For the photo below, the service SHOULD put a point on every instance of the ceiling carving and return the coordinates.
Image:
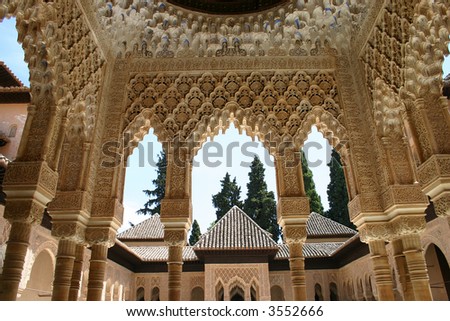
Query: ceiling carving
(151, 29)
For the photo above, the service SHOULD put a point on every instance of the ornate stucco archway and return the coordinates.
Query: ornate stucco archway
(103, 73)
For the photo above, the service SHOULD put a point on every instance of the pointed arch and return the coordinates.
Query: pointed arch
(318, 295)
(140, 294)
(334, 294)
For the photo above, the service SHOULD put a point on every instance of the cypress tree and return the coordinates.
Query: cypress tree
(229, 196)
(337, 192)
(315, 202)
(195, 233)
(153, 205)
(260, 204)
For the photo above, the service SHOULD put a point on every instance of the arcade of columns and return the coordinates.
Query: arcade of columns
(368, 74)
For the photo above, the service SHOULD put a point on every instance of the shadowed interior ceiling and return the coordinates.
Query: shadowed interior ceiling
(227, 6)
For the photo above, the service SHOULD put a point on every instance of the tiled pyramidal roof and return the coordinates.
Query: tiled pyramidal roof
(150, 229)
(319, 225)
(236, 231)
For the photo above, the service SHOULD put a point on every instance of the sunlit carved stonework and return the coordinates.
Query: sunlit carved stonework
(368, 74)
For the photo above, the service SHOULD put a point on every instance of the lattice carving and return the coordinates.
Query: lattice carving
(276, 102)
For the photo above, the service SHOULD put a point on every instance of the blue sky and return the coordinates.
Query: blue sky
(206, 179)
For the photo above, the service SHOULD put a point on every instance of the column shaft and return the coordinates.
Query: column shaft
(382, 270)
(402, 270)
(297, 267)
(63, 270)
(16, 251)
(412, 249)
(175, 267)
(77, 272)
(97, 272)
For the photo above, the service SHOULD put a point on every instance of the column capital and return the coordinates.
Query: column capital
(28, 211)
(376, 231)
(407, 225)
(101, 235)
(175, 237)
(295, 234)
(69, 230)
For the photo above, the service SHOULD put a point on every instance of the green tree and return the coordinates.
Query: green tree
(229, 196)
(337, 192)
(260, 204)
(153, 205)
(315, 202)
(195, 233)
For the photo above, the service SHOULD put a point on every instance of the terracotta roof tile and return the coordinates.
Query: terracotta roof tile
(311, 250)
(319, 225)
(161, 253)
(235, 231)
(150, 229)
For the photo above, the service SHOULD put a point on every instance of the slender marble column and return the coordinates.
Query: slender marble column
(19, 240)
(382, 270)
(402, 269)
(97, 271)
(175, 267)
(415, 259)
(77, 272)
(64, 268)
(297, 267)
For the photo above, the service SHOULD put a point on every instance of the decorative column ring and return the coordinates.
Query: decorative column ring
(175, 239)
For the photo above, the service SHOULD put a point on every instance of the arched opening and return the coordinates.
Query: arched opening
(140, 294)
(141, 175)
(327, 174)
(318, 296)
(237, 294)
(220, 294)
(155, 294)
(230, 153)
(197, 294)
(439, 273)
(39, 286)
(276, 293)
(334, 296)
